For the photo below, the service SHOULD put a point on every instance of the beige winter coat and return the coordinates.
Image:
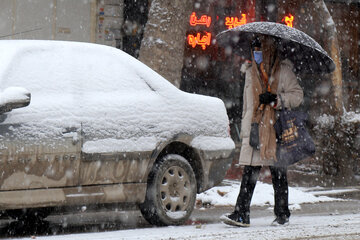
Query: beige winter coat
(292, 96)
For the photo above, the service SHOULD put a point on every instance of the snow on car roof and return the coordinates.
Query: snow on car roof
(67, 55)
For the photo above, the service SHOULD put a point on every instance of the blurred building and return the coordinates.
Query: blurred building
(117, 23)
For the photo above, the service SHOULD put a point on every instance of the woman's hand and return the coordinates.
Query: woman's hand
(267, 98)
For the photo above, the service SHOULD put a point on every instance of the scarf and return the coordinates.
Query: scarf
(264, 115)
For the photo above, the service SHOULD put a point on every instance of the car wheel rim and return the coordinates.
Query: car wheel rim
(175, 190)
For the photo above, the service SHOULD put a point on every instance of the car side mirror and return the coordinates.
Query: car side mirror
(14, 97)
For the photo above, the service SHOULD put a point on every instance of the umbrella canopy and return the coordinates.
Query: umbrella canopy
(306, 54)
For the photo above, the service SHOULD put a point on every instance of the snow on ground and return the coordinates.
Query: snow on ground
(263, 195)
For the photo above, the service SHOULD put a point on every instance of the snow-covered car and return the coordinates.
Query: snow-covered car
(101, 127)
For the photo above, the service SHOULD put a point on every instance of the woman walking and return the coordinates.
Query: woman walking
(268, 82)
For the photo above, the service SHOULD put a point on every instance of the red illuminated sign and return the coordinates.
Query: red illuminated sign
(204, 20)
(203, 41)
(232, 22)
(289, 19)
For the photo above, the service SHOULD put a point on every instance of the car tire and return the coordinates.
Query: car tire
(171, 192)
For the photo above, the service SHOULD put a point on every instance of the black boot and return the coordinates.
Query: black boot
(236, 219)
(280, 221)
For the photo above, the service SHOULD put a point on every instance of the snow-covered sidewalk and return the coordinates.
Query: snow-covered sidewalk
(226, 195)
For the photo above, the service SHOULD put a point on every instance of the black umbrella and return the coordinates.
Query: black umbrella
(306, 54)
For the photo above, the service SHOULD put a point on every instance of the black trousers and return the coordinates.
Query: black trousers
(280, 185)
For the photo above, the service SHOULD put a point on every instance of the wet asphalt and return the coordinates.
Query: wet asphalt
(115, 217)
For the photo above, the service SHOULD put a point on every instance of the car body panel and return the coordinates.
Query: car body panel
(33, 165)
(124, 193)
(110, 168)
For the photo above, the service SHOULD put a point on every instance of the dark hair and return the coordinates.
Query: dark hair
(255, 43)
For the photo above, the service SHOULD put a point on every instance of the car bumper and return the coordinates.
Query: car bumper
(215, 165)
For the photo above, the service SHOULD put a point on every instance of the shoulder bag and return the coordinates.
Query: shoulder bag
(294, 143)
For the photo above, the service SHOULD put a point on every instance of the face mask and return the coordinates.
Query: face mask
(258, 57)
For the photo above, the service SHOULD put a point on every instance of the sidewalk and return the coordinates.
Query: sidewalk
(212, 214)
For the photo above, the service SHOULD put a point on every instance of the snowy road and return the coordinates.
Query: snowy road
(316, 214)
(302, 227)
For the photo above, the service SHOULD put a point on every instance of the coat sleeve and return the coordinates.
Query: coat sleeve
(246, 112)
(289, 88)
(246, 85)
